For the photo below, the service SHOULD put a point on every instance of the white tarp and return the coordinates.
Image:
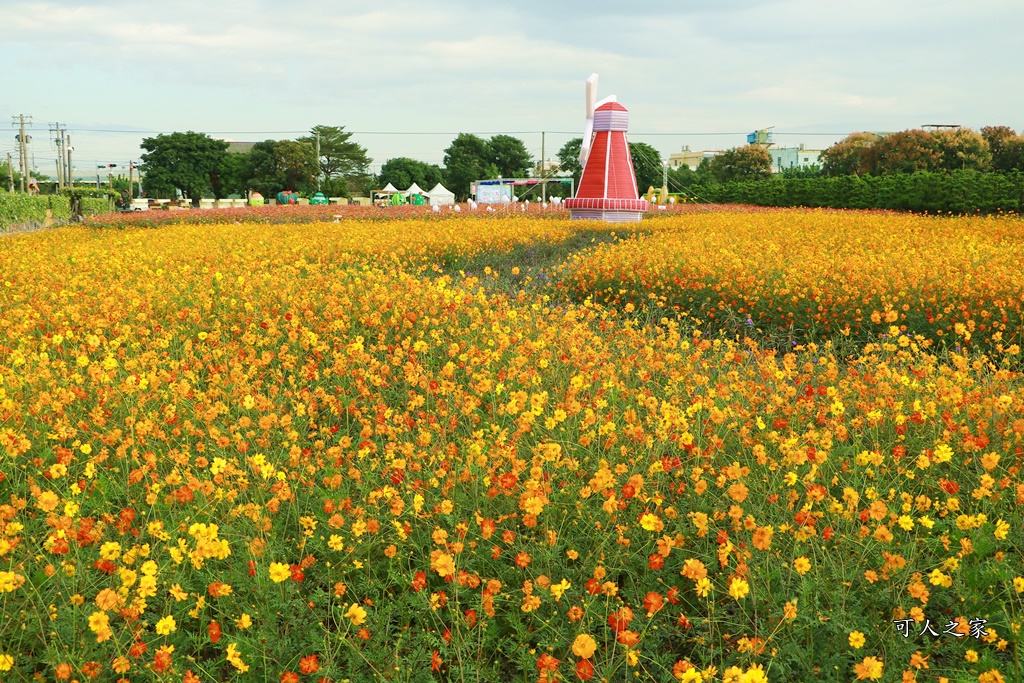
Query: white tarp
(441, 195)
(389, 189)
(413, 189)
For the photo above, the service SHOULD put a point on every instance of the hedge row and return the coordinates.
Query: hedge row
(958, 192)
(22, 208)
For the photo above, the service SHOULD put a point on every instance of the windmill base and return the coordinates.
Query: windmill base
(608, 215)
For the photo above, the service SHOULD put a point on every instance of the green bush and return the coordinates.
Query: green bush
(92, 206)
(20, 208)
(957, 192)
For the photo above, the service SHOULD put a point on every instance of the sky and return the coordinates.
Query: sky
(406, 76)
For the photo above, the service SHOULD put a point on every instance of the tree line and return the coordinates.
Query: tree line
(196, 165)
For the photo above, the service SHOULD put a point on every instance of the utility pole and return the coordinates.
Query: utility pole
(22, 147)
(10, 174)
(543, 170)
(58, 130)
(67, 150)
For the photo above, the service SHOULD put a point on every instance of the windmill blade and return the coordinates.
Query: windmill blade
(588, 124)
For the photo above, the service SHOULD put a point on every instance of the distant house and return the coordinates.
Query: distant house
(240, 147)
(687, 157)
(794, 157)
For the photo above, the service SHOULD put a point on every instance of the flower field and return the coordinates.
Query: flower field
(825, 273)
(474, 448)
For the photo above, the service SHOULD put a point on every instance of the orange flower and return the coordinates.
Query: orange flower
(763, 537)
(107, 599)
(584, 646)
(868, 668)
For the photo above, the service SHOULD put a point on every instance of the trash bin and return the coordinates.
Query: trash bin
(255, 199)
(318, 198)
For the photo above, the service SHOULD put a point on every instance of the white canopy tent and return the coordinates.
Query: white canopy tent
(441, 195)
(414, 189)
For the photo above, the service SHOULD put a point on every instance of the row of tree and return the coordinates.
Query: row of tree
(995, 148)
(196, 165)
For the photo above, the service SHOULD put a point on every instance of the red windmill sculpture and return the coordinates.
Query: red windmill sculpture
(607, 190)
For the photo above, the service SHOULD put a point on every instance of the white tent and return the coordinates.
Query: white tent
(413, 189)
(441, 195)
(389, 189)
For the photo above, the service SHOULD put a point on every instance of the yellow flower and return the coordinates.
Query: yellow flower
(166, 626)
(279, 572)
(857, 640)
(557, 589)
(703, 587)
(584, 646)
(755, 674)
(6, 662)
(802, 565)
(177, 593)
(10, 581)
(738, 588)
(971, 656)
(244, 621)
(356, 614)
(1002, 529)
(235, 659)
(651, 522)
(1018, 584)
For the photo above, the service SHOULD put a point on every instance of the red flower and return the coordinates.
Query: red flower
(828, 533)
(297, 574)
(162, 660)
(419, 582)
(289, 677)
(470, 616)
(214, 630)
(656, 561)
(584, 670)
(547, 663)
(309, 665)
(620, 618)
(105, 566)
(950, 487)
(436, 661)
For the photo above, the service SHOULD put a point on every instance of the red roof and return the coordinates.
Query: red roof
(611, 106)
(609, 169)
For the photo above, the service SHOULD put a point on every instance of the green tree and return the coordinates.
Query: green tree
(749, 162)
(232, 176)
(569, 159)
(467, 160)
(509, 155)
(261, 172)
(340, 157)
(1006, 146)
(905, 152)
(402, 172)
(181, 161)
(647, 166)
(5, 177)
(962, 149)
(846, 156)
(273, 166)
(297, 162)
